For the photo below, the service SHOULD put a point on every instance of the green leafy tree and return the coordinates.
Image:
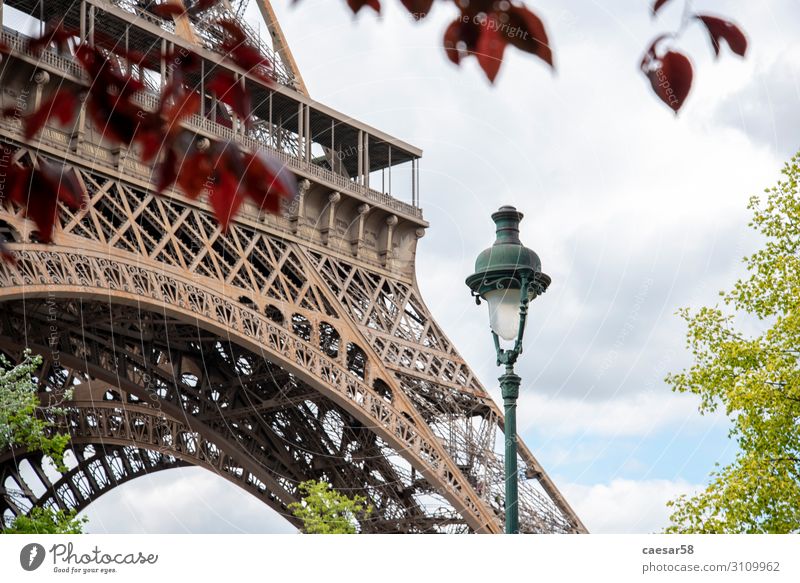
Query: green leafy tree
(20, 423)
(23, 424)
(326, 511)
(755, 377)
(47, 521)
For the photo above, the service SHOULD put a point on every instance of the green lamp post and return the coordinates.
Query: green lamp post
(508, 276)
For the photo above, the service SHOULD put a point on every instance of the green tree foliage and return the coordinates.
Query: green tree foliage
(326, 511)
(23, 425)
(47, 521)
(755, 377)
(20, 425)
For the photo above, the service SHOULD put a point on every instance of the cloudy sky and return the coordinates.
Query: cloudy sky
(633, 211)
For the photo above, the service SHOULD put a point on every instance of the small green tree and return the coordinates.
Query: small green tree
(326, 511)
(756, 378)
(22, 426)
(47, 521)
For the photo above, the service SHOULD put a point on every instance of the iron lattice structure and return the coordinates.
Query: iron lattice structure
(292, 347)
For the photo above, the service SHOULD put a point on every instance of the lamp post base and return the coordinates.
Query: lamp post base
(509, 384)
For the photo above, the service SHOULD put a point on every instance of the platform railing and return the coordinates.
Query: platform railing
(149, 100)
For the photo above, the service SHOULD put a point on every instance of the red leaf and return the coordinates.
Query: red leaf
(486, 34)
(461, 38)
(238, 49)
(224, 197)
(151, 143)
(228, 89)
(167, 171)
(19, 179)
(251, 60)
(267, 180)
(109, 99)
(115, 118)
(223, 119)
(199, 6)
(54, 34)
(248, 57)
(671, 78)
(39, 189)
(71, 191)
(452, 36)
(526, 31)
(167, 10)
(187, 61)
(356, 5)
(64, 180)
(43, 208)
(491, 45)
(723, 29)
(63, 104)
(106, 75)
(657, 5)
(419, 9)
(7, 254)
(194, 174)
(163, 125)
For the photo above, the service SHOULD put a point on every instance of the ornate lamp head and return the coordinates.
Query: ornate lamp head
(508, 276)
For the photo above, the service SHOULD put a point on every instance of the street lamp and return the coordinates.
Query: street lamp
(508, 276)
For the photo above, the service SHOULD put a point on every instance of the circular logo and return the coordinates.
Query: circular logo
(31, 556)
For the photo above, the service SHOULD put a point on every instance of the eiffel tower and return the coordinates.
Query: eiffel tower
(293, 347)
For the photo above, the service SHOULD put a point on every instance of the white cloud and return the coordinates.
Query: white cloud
(765, 109)
(625, 506)
(185, 500)
(635, 415)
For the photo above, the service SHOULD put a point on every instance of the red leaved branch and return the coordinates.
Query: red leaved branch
(225, 173)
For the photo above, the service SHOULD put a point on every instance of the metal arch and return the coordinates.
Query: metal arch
(370, 407)
(118, 424)
(82, 484)
(114, 427)
(180, 402)
(194, 440)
